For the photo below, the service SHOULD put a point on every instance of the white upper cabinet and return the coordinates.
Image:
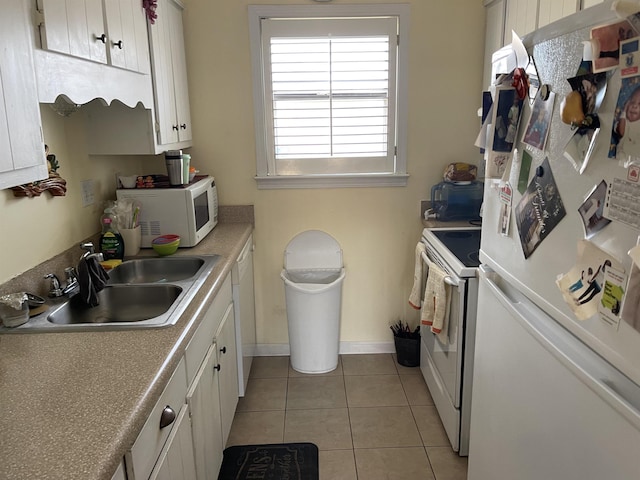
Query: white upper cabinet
(22, 157)
(120, 130)
(170, 74)
(74, 27)
(521, 17)
(494, 36)
(551, 10)
(104, 31)
(590, 3)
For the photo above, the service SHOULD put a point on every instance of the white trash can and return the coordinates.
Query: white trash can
(313, 274)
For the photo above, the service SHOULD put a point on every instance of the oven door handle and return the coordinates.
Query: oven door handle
(449, 280)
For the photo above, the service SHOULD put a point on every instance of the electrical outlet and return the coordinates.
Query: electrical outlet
(88, 193)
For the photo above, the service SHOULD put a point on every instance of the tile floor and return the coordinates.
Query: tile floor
(371, 418)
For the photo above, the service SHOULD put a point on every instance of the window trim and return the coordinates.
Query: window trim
(266, 181)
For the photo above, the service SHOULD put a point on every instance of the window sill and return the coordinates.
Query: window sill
(332, 181)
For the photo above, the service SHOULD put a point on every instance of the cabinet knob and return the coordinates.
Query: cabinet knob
(102, 38)
(175, 127)
(118, 44)
(168, 416)
(217, 367)
(183, 126)
(223, 349)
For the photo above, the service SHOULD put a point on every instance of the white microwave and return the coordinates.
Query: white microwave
(190, 211)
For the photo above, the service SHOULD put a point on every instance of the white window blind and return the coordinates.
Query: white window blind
(330, 96)
(328, 92)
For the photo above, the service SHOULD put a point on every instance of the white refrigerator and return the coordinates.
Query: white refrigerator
(554, 396)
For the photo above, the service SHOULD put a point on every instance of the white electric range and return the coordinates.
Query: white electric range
(448, 367)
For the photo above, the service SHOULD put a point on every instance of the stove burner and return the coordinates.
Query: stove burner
(463, 244)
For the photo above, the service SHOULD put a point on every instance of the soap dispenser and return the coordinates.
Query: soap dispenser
(111, 243)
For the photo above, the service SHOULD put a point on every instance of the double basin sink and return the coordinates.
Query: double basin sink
(141, 293)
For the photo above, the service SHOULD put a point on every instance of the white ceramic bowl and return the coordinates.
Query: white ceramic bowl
(128, 182)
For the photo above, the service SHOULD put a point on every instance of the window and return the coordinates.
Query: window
(329, 94)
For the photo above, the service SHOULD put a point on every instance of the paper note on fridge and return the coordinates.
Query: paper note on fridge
(582, 287)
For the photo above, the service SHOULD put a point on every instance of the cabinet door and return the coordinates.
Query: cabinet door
(74, 27)
(160, 40)
(494, 37)
(521, 17)
(170, 74)
(176, 460)
(116, 43)
(179, 63)
(227, 359)
(22, 158)
(590, 3)
(128, 44)
(203, 399)
(551, 10)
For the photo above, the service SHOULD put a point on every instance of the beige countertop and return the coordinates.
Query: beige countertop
(72, 404)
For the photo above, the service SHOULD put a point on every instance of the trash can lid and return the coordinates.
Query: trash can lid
(312, 249)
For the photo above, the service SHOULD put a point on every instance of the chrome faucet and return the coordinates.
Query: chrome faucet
(90, 251)
(71, 286)
(55, 290)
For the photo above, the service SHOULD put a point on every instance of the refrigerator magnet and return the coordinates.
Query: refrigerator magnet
(506, 196)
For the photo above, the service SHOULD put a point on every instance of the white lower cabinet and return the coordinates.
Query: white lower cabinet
(176, 460)
(185, 435)
(162, 445)
(228, 375)
(213, 377)
(203, 400)
(120, 472)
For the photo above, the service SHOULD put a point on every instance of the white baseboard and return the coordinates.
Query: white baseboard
(282, 349)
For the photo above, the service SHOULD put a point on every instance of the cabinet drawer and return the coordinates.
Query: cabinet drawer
(142, 456)
(206, 331)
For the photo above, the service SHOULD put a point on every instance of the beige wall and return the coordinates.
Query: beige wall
(36, 229)
(376, 227)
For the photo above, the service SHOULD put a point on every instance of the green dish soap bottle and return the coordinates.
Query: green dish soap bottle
(111, 243)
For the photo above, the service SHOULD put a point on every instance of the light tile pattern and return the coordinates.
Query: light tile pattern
(371, 418)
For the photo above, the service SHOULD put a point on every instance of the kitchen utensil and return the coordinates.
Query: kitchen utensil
(175, 169)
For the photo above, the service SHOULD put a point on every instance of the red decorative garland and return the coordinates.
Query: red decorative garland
(150, 7)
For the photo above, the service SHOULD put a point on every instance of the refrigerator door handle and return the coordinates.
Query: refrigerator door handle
(600, 376)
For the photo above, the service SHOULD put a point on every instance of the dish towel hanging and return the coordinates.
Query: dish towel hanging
(415, 297)
(435, 310)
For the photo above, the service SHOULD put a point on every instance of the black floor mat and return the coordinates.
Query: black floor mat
(278, 461)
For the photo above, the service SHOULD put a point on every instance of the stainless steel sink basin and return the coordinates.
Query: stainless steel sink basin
(141, 293)
(156, 270)
(119, 303)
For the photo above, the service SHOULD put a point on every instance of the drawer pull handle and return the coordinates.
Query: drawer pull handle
(223, 350)
(183, 126)
(118, 44)
(168, 416)
(217, 367)
(175, 127)
(102, 38)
